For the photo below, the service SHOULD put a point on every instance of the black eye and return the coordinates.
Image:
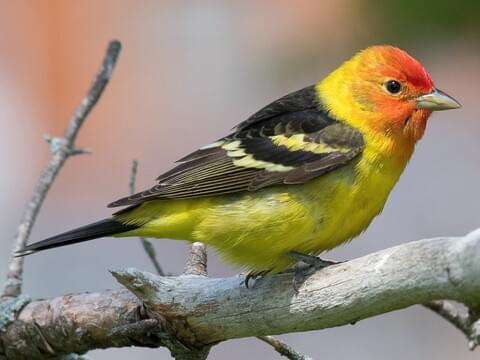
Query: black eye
(393, 86)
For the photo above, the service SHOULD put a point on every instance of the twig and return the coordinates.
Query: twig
(61, 148)
(283, 349)
(147, 245)
(459, 317)
(197, 260)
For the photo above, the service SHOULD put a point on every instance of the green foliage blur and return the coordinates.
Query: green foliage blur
(417, 22)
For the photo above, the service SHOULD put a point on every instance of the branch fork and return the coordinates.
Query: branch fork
(61, 145)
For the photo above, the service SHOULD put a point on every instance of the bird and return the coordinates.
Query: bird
(302, 175)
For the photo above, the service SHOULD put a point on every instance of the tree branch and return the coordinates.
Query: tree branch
(197, 312)
(196, 265)
(61, 148)
(197, 260)
(460, 317)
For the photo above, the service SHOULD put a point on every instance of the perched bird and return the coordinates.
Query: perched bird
(304, 174)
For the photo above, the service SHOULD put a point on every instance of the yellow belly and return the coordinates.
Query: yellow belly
(256, 230)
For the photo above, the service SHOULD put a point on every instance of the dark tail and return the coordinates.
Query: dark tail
(92, 231)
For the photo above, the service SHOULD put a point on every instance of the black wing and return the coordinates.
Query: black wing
(290, 141)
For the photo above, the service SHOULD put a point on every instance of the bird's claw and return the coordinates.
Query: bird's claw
(253, 275)
(307, 265)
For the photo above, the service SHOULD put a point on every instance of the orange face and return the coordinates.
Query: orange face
(385, 92)
(388, 85)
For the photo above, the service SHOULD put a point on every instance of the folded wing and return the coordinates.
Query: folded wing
(291, 141)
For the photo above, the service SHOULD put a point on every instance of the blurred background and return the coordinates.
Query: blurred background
(198, 68)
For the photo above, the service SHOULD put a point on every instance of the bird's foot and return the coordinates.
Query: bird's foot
(253, 275)
(307, 265)
(313, 261)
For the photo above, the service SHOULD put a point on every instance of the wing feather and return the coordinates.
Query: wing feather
(291, 141)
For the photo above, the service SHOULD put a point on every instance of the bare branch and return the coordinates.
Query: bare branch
(96, 90)
(147, 245)
(460, 317)
(133, 177)
(197, 260)
(61, 149)
(283, 349)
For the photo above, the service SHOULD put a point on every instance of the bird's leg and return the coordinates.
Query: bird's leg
(307, 264)
(313, 261)
(253, 275)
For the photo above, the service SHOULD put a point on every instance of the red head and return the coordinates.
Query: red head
(384, 90)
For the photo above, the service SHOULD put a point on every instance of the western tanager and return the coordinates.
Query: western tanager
(304, 174)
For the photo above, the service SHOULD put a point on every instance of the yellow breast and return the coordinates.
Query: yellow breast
(355, 195)
(256, 230)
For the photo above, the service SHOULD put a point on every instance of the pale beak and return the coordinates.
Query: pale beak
(437, 100)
